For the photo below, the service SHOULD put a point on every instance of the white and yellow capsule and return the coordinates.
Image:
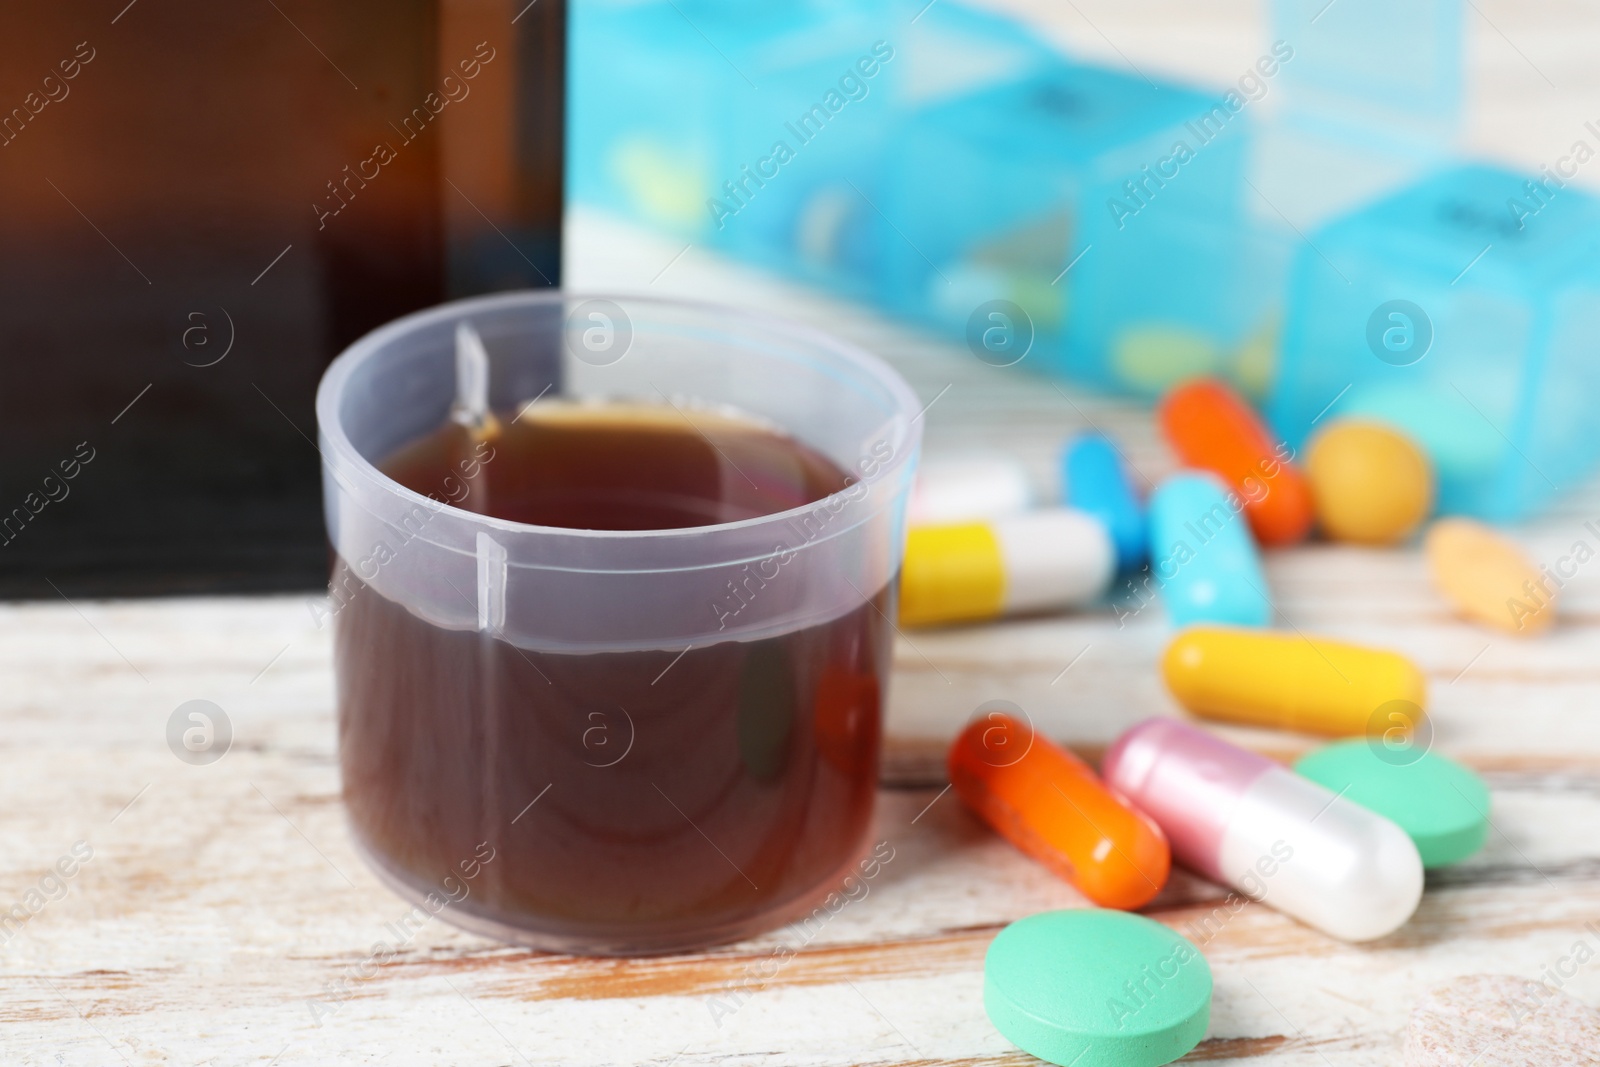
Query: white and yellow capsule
(1035, 561)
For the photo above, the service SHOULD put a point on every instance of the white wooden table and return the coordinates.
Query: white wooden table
(224, 904)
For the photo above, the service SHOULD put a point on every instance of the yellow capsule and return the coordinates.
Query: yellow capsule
(1035, 561)
(1372, 485)
(1288, 681)
(951, 572)
(1487, 578)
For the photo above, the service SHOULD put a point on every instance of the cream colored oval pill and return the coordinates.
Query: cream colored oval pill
(1372, 485)
(1488, 579)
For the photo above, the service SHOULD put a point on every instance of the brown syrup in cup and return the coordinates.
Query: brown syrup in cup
(639, 800)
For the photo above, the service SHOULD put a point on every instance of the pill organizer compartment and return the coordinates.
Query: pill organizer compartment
(1100, 204)
(667, 101)
(830, 216)
(1380, 64)
(1367, 101)
(1462, 310)
(758, 129)
(1370, 100)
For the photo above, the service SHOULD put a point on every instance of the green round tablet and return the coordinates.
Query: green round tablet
(1095, 988)
(1440, 803)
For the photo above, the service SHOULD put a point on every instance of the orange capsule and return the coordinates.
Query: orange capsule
(1048, 803)
(1211, 429)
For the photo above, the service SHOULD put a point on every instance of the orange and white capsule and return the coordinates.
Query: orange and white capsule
(1048, 803)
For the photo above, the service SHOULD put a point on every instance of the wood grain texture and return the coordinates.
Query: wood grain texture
(224, 905)
(225, 917)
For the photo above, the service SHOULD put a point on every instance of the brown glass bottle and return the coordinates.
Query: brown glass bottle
(204, 203)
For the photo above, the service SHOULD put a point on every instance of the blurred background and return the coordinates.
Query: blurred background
(1348, 208)
(1044, 214)
(204, 204)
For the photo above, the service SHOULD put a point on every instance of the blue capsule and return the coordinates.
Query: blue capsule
(1202, 556)
(1097, 483)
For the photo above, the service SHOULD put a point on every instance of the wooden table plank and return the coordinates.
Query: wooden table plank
(220, 895)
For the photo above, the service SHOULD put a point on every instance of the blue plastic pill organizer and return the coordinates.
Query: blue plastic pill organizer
(1369, 102)
(1098, 209)
(758, 128)
(829, 229)
(677, 107)
(1464, 311)
(973, 164)
(947, 164)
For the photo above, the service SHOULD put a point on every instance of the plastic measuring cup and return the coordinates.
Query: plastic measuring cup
(612, 742)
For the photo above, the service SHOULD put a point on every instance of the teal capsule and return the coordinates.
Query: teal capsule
(1096, 482)
(1202, 555)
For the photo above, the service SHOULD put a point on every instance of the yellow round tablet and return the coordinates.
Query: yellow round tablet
(1487, 578)
(1372, 484)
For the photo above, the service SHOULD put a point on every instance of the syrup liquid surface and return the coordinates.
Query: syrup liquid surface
(676, 797)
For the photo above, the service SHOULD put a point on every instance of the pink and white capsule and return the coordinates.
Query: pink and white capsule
(1244, 821)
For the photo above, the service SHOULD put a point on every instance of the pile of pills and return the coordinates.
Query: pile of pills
(980, 548)
(1338, 842)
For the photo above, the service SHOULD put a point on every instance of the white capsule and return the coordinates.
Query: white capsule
(1351, 873)
(970, 489)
